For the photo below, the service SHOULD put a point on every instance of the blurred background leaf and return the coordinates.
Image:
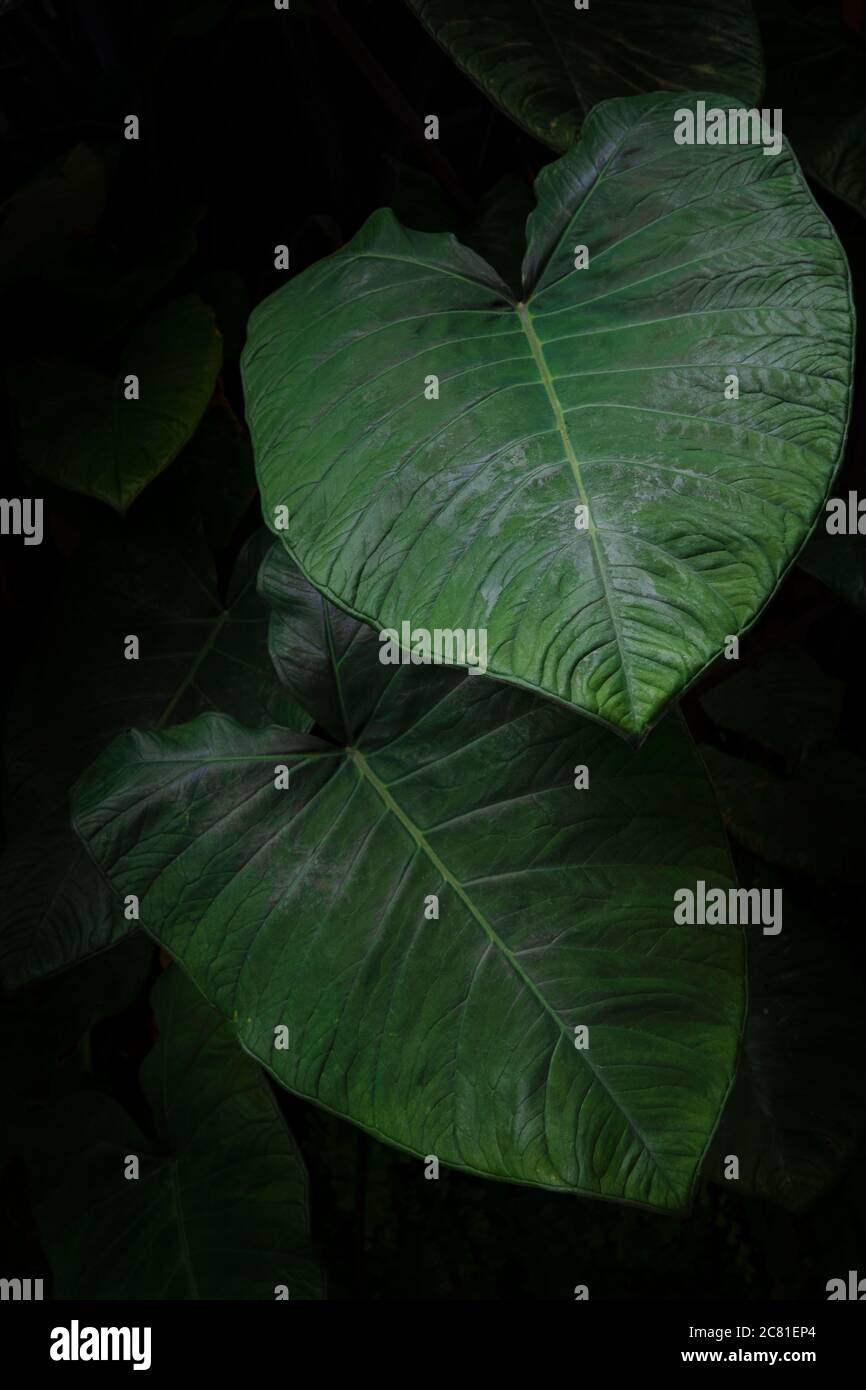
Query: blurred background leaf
(219, 1210)
(547, 63)
(196, 653)
(81, 430)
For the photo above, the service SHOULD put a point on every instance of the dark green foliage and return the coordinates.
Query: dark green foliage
(214, 968)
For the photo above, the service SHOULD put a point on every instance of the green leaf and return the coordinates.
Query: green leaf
(452, 1036)
(80, 431)
(195, 654)
(815, 69)
(547, 64)
(219, 1210)
(602, 388)
(796, 1110)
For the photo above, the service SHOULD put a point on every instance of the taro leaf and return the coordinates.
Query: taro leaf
(310, 907)
(219, 1210)
(840, 563)
(78, 429)
(547, 64)
(604, 390)
(797, 1105)
(310, 641)
(815, 68)
(195, 654)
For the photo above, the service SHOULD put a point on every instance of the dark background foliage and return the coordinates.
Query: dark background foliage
(257, 132)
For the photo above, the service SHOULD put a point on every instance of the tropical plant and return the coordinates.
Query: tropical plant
(581, 438)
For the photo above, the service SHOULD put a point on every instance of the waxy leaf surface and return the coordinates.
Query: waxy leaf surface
(446, 1027)
(567, 470)
(219, 1209)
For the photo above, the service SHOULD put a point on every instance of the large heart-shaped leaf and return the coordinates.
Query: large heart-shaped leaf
(82, 430)
(434, 910)
(219, 1209)
(195, 653)
(601, 389)
(547, 63)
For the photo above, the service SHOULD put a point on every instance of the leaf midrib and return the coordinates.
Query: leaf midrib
(383, 791)
(525, 316)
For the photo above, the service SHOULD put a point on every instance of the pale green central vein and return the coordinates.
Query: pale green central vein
(559, 417)
(381, 788)
(424, 845)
